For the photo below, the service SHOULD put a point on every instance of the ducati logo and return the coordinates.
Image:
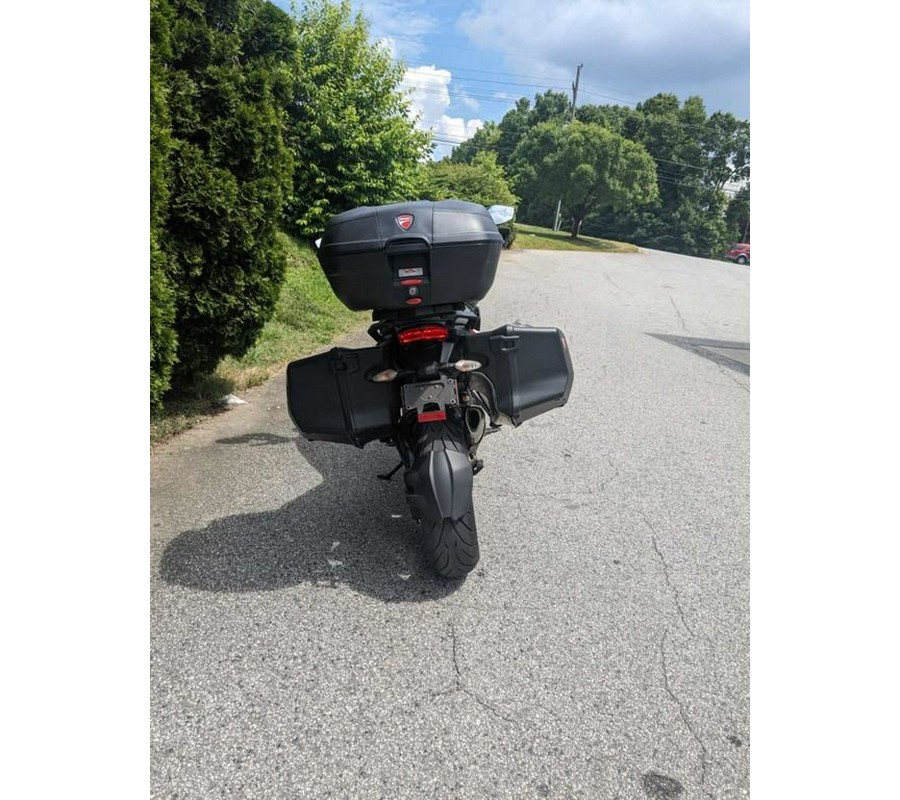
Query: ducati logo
(405, 221)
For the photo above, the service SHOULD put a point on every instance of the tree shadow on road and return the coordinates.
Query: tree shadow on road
(351, 529)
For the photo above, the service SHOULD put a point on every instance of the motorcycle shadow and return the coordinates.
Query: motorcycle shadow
(351, 529)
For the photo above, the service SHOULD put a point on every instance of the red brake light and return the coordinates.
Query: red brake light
(423, 333)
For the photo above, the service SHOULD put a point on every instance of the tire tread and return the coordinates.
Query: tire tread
(450, 545)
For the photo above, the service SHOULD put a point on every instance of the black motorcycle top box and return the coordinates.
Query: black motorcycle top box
(409, 255)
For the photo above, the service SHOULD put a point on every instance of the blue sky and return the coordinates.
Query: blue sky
(468, 62)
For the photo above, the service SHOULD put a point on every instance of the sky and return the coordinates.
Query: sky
(468, 62)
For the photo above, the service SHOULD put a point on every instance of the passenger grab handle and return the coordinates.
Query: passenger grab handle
(406, 244)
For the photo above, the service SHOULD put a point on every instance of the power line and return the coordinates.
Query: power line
(453, 93)
(592, 90)
(676, 163)
(540, 87)
(461, 95)
(488, 72)
(447, 140)
(657, 160)
(500, 83)
(551, 80)
(445, 91)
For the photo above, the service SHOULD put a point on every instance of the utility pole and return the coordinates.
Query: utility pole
(571, 119)
(575, 90)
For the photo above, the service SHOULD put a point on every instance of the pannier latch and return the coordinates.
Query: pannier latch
(344, 364)
(508, 342)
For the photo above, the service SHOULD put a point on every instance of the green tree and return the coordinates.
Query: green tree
(737, 215)
(619, 119)
(485, 140)
(695, 156)
(163, 339)
(589, 167)
(725, 141)
(503, 138)
(550, 107)
(353, 141)
(227, 71)
(482, 181)
(513, 127)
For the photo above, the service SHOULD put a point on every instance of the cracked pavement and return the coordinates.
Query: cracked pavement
(459, 687)
(300, 647)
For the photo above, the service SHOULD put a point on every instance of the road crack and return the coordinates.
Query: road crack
(456, 668)
(459, 685)
(704, 753)
(677, 311)
(668, 578)
(730, 373)
(614, 284)
(615, 469)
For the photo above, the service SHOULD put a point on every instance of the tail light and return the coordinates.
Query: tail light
(423, 333)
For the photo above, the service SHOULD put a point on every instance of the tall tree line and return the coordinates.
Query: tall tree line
(694, 156)
(258, 121)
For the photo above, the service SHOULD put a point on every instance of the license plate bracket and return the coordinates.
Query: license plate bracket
(430, 397)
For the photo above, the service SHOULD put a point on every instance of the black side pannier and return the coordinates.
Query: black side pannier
(409, 255)
(530, 369)
(330, 399)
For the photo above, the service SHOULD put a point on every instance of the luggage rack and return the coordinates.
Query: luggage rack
(455, 314)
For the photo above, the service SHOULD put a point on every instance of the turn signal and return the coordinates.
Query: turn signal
(466, 365)
(385, 376)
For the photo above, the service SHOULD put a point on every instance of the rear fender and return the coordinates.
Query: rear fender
(439, 483)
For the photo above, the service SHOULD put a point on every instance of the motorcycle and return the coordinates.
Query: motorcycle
(501, 215)
(434, 385)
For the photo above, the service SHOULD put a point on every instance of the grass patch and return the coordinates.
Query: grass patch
(531, 237)
(307, 317)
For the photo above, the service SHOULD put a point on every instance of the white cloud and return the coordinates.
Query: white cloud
(630, 50)
(429, 94)
(400, 24)
(470, 102)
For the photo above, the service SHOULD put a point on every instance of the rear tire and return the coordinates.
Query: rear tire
(741, 259)
(451, 546)
(450, 543)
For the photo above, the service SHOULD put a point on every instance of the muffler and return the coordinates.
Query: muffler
(476, 423)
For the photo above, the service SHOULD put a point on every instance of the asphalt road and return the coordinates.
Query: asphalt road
(300, 647)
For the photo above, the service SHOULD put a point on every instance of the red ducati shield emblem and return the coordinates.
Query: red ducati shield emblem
(405, 221)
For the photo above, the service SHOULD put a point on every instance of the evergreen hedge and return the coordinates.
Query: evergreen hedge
(256, 119)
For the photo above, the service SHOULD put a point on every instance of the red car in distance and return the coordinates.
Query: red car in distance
(739, 253)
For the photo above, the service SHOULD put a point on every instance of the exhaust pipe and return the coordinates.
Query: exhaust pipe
(476, 423)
